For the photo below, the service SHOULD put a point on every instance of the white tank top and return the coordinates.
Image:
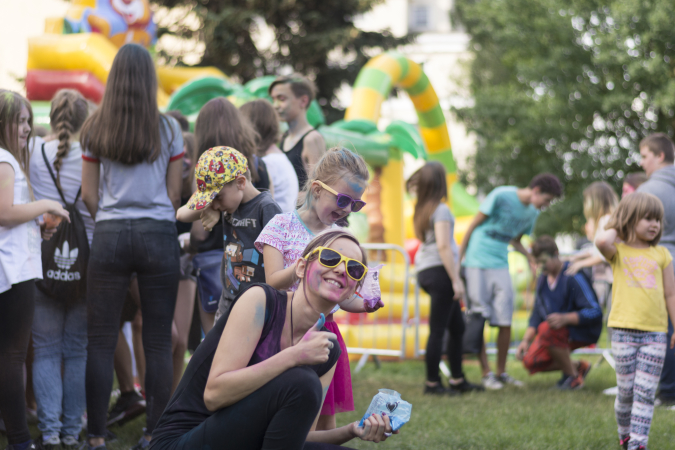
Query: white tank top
(20, 251)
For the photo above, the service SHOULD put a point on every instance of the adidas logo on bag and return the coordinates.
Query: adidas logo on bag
(64, 258)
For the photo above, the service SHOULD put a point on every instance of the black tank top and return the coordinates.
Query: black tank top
(295, 157)
(186, 409)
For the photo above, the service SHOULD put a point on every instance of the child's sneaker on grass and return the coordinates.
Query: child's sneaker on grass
(48, 442)
(570, 383)
(128, 406)
(465, 386)
(491, 382)
(623, 442)
(505, 378)
(70, 442)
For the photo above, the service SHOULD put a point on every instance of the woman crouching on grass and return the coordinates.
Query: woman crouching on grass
(259, 378)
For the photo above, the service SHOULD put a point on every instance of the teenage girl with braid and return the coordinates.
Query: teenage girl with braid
(20, 260)
(60, 325)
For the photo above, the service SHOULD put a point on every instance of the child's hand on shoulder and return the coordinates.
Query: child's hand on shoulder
(210, 218)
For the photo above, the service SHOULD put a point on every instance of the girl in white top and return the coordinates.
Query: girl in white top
(20, 259)
(600, 201)
(284, 182)
(60, 324)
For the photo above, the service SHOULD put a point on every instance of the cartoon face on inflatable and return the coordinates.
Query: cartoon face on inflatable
(121, 21)
(134, 12)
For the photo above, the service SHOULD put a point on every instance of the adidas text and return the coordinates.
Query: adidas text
(63, 275)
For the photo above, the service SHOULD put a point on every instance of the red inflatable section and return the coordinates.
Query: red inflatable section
(43, 84)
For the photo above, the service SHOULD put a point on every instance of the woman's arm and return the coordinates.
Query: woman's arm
(174, 182)
(480, 218)
(91, 175)
(605, 242)
(443, 236)
(669, 292)
(12, 215)
(230, 380)
(275, 274)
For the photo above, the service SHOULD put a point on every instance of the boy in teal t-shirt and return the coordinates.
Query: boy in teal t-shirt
(506, 214)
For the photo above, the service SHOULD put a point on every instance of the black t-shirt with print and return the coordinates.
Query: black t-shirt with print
(242, 263)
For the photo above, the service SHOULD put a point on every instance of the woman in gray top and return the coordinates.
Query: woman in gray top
(438, 274)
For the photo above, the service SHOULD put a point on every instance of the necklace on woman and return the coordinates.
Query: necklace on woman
(292, 297)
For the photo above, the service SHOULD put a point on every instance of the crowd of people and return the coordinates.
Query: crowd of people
(121, 214)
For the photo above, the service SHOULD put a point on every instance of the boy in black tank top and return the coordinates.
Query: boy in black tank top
(302, 144)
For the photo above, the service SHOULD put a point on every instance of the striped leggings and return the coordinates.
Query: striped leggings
(639, 359)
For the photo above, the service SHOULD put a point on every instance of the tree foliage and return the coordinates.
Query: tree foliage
(305, 32)
(568, 87)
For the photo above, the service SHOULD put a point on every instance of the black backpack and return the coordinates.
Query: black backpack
(66, 254)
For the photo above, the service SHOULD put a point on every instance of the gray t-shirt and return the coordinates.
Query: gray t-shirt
(662, 184)
(139, 191)
(70, 177)
(427, 255)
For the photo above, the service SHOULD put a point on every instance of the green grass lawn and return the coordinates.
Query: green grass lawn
(534, 417)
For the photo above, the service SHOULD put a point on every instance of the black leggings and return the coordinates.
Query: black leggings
(121, 247)
(276, 416)
(446, 313)
(16, 318)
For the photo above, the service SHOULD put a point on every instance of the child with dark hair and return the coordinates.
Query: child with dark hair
(565, 316)
(632, 181)
(506, 214)
(284, 186)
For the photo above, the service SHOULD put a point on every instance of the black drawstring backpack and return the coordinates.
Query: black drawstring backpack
(66, 254)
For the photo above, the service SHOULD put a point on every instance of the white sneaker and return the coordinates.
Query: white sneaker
(505, 378)
(491, 382)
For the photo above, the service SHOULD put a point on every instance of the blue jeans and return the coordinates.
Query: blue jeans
(667, 383)
(120, 248)
(59, 336)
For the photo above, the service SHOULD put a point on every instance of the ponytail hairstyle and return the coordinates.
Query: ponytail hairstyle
(10, 110)
(265, 121)
(220, 123)
(337, 163)
(69, 111)
(126, 127)
(429, 183)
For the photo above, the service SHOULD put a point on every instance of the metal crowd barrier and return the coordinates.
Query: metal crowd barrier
(373, 329)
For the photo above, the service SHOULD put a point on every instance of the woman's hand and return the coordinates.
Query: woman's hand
(375, 428)
(45, 232)
(210, 218)
(54, 208)
(314, 347)
(458, 287)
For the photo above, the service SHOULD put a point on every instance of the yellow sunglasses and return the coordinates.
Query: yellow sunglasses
(331, 258)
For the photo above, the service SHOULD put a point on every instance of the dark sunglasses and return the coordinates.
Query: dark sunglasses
(343, 200)
(331, 258)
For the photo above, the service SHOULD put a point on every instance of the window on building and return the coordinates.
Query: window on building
(419, 18)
